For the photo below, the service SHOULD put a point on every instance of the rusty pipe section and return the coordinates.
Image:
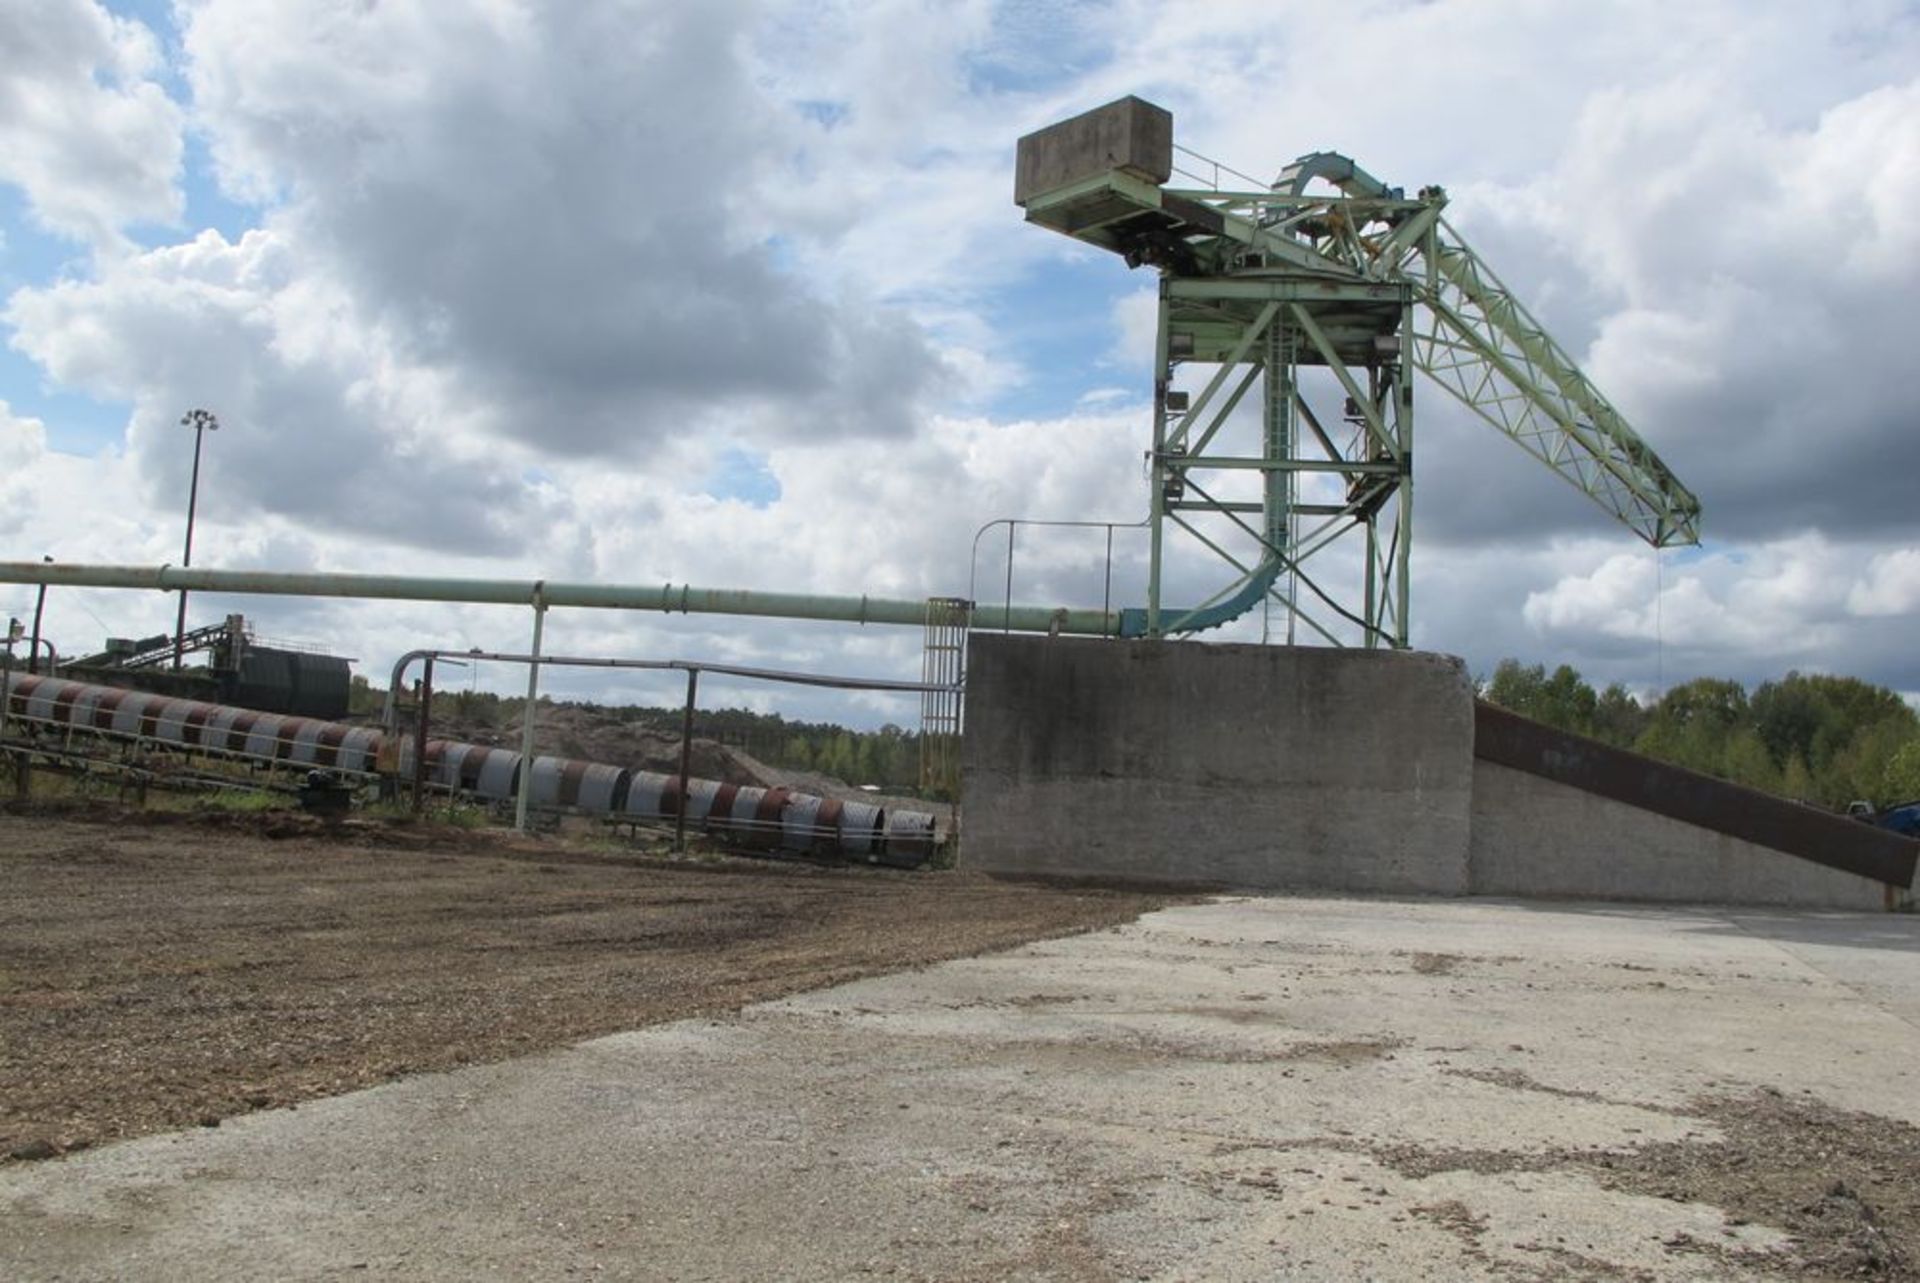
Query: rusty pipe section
(541, 593)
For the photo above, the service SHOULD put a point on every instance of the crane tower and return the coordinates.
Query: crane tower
(1315, 296)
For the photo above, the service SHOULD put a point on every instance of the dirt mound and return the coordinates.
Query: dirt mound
(827, 786)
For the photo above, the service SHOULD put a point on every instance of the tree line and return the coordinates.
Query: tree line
(1809, 736)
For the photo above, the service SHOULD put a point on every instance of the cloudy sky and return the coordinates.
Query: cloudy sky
(735, 294)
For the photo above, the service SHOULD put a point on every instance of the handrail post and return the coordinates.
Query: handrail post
(521, 805)
(686, 763)
(420, 738)
(1006, 609)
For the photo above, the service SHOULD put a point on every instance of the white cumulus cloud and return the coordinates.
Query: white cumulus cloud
(1891, 585)
(85, 129)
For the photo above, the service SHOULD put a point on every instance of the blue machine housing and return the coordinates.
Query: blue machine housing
(1903, 819)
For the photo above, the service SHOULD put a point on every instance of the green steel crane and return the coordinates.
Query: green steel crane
(1321, 288)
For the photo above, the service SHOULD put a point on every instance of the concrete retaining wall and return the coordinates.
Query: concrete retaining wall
(1256, 767)
(1269, 768)
(1537, 837)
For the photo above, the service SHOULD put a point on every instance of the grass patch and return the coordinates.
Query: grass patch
(400, 811)
(241, 801)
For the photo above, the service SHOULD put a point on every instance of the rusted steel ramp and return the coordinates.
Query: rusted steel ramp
(1518, 743)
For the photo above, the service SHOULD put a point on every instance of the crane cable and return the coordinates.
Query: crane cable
(1659, 631)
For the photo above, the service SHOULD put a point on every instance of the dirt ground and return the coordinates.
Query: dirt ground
(1841, 1183)
(161, 971)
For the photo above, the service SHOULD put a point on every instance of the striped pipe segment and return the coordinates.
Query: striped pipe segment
(762, 819)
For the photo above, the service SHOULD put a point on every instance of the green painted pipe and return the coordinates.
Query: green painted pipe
(683, 598)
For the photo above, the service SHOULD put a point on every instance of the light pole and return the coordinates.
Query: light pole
(200, 421)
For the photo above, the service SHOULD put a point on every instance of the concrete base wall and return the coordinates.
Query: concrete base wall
(1268, 768)
(1536, 837)
(1253, 767)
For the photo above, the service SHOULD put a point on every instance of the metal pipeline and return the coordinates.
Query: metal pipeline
(389, 709)
(683, 598)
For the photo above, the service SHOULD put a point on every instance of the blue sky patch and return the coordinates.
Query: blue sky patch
(28, 255)
(1060, 326)
(76, 423)
(743, 475)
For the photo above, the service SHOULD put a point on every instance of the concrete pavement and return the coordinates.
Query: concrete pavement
(1244, 1089)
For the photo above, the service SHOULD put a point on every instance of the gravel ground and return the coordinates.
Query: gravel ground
(162, 971)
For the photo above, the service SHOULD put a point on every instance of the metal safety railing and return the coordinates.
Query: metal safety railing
(534, 661)
(986, 618)
(1206, 172)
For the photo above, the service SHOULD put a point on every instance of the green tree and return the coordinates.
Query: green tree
(1788, 715)
(1515, 686)
(1796, 781)
(837, 758)
(1901, 779)
(1563, 700)
(1860, 771)
(1846, 733)
(1694, 724)
(1618, 718)
(1818, 716)
(1745, 760)
(1704, 701)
